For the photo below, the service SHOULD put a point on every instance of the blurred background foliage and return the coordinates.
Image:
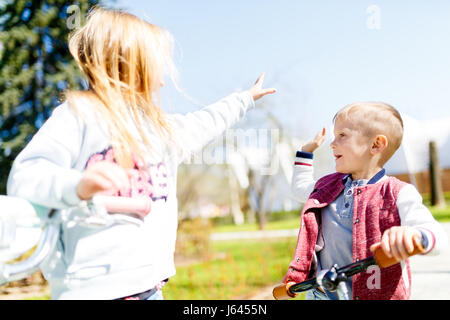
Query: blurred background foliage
(35, 68)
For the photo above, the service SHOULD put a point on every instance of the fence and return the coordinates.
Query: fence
(423, 180)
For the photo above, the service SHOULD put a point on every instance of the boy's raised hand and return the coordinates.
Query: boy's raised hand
(257, 91)
(318, 140)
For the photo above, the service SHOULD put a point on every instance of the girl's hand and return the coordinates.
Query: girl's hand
(399, 242)
(102, 176)
(318, 140)
(257, 91)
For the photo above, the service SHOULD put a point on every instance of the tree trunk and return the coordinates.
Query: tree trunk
(437, 195)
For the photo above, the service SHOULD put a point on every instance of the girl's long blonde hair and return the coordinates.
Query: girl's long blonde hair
(124, 59)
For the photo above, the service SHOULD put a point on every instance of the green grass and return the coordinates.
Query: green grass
(440, 214)
(289, 223)
(247, 267)
(42, 297)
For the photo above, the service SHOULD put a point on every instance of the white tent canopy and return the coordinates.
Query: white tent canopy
(413, 155)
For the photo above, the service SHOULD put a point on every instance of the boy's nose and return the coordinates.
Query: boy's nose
(332, 145)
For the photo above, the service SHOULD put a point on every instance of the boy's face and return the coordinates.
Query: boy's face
(351, 148)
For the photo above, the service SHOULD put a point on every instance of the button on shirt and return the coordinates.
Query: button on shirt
(336, 231)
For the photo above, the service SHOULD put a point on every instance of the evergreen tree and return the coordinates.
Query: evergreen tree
(35, 67)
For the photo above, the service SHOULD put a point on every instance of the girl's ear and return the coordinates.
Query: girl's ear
(379, 144)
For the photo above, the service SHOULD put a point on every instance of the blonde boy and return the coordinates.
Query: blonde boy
(349, 213)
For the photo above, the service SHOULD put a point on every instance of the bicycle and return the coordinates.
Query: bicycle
(21, 228)
(333, 279)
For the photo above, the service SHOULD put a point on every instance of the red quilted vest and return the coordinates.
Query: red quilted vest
(374, 212)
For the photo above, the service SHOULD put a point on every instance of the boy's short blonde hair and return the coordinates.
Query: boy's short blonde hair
(376, 118)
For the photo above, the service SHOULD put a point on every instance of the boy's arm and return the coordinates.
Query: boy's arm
(303, 176)
(414, 213)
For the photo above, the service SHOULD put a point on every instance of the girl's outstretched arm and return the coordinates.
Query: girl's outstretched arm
(196, 129)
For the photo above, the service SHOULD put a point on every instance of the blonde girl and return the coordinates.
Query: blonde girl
(113, 139)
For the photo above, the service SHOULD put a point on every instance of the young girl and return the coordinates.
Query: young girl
(115, 140)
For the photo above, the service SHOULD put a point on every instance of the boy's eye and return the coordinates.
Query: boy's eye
(341, 135)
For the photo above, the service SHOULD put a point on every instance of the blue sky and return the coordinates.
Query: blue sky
(320, 55)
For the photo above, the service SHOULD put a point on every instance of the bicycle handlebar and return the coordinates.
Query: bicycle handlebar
(20, 270)
(101, 211)
(290, 289)
(137, 206)
(384, 261)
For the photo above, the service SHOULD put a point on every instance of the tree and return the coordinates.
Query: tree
(35, 68)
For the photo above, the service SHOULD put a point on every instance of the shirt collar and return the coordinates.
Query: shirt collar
(380, 174)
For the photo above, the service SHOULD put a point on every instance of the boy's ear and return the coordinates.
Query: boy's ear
(379, 144)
